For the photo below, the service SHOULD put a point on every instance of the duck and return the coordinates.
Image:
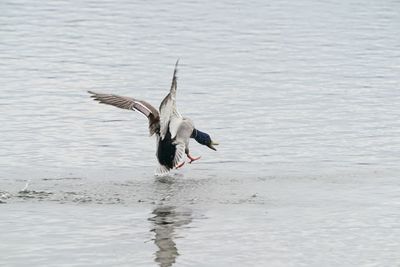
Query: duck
(173, 131)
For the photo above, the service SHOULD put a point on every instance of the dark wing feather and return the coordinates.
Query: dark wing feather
(125, 102)
(172, 91)
(168, 105)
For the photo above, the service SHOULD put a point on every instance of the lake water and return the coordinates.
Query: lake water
(303, 97)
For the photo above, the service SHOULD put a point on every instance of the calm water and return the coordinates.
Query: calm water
(303, 97)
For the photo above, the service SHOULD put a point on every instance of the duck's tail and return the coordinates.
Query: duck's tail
(161, 170)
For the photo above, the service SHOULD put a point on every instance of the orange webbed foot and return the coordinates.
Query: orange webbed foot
(193, 158)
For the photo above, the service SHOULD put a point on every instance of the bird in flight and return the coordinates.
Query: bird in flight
(172, 130)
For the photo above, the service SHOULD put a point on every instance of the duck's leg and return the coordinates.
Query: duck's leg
(191, 157)
(179, 165)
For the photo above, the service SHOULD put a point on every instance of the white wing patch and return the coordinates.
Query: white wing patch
(170, 119)
(174, 125)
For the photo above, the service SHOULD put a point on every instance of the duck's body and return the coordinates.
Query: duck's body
(172, 131)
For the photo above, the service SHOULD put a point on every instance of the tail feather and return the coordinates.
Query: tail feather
(162, 170)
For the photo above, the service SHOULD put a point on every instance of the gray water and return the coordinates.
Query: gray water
(303, 97)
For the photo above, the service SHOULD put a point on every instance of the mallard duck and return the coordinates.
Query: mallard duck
(172, 131)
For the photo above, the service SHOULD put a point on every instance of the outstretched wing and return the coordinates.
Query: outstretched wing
(132, 104)
(168, 105)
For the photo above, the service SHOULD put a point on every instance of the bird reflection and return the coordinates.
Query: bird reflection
(165, 220)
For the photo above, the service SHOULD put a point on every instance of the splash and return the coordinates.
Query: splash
(25, 189)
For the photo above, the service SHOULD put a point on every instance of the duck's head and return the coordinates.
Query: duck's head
(204, 139)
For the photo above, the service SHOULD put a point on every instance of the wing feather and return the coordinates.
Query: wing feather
(168, 105)
(129, 103)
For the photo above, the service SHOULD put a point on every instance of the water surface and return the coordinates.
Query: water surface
(303, 97)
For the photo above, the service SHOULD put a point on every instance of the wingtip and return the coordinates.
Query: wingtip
(174, 77)
(176, 67)
(93, 95)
